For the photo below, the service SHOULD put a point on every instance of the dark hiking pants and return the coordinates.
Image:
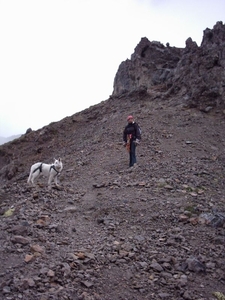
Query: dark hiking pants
(132, 154)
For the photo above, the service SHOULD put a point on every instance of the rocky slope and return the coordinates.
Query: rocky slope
(156, 231)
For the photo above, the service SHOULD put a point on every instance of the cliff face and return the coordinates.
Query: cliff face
(194, 74)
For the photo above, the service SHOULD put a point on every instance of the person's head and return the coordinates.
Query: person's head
(130, 119)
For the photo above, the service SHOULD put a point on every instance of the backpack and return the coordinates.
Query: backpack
(138, 128)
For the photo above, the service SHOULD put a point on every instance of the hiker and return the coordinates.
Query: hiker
(131, 138)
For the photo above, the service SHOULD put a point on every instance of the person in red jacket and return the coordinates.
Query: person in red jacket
(131, 138)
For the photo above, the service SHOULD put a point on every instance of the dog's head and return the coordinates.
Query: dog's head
(58, 164)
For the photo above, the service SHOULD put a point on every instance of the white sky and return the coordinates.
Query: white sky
(58, 57)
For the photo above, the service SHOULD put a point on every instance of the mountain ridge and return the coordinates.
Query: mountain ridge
(4, 140)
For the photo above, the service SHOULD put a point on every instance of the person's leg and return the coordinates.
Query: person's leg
(132, 154)
(130, 163)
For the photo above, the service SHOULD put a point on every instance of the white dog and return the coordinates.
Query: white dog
(51, 171)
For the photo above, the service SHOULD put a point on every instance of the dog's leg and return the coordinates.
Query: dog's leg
(35, 172)
(29, 178)
(49, 184)
(34, 176)
(56, 180)
(30, 175)
(50, 181)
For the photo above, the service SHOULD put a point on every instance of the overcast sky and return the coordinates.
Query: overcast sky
(58, 57)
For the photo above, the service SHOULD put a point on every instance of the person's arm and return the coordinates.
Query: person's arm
(124, 136)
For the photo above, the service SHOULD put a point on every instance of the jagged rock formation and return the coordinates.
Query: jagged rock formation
(195, 75)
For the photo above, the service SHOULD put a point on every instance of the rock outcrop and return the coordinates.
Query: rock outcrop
(194, 74)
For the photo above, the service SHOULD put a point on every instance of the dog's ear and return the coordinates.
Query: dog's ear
(59, 159)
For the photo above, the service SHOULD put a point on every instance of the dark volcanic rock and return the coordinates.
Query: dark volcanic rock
(194, 74)
(151, 65)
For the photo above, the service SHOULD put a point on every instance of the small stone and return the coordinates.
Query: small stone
(193, 221)
(19, 230)
(37, 248)
(6, 290)
(164, 296)
(51, 273)
(88, 284)
(18, 239)
(183, 218)
(123, 253)
(168, 187)
(30, 282)
(71, 208)
(195, 265)
(28, 258)
(155, 266)
(80, 255)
